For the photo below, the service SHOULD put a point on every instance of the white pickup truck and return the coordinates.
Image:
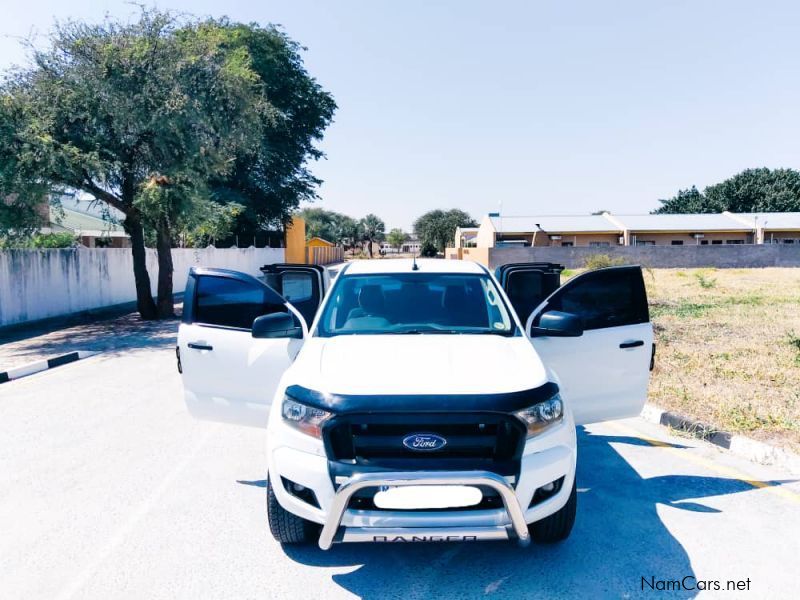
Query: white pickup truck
(425, 400)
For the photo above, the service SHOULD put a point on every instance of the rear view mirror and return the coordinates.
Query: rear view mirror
(276, 325)
(555, 323)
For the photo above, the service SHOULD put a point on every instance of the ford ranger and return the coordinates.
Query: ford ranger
(417, 400)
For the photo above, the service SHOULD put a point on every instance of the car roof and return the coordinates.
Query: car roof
(404, 265)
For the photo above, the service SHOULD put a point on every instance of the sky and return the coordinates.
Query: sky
(559, 107)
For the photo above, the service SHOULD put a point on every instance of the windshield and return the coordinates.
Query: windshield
(415, 303)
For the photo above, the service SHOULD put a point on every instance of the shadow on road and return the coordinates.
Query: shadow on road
(618, 539)
(113, 335)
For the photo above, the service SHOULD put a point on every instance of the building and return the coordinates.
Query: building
(680, 230)
(94, 224)
(606, 229)
(318, 242)
(410, 246)
(467, 237)
(772, 227)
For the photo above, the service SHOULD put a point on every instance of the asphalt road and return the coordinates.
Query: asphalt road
(108, 489)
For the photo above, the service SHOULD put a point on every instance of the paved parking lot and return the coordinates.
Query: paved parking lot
(109, 489)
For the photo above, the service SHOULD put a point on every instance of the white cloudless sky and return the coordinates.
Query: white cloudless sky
(548, 107)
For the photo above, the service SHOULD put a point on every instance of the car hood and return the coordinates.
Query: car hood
(418, 364)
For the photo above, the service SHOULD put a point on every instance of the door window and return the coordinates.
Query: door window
(297, 287)
(604, 298)
(525, 290)
(226, 302)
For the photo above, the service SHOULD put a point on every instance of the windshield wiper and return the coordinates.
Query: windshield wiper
(416, 331)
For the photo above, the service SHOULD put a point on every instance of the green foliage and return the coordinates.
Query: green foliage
(600, 261)
(689, 309)
(794, 341)
(752, 190)
(396, 237)
(686, 201)
(158, 118)
(108, 107)
(437, 228)
(428, 250)
(61, 239)
(372, 230)
(705, 281)
(208, 223)
(271, 181)
(329, 225)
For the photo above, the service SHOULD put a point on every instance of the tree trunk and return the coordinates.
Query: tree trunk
(165, 300)
(144, 298)
(369, 247)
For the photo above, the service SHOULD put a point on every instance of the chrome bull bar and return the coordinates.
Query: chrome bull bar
(472, 478)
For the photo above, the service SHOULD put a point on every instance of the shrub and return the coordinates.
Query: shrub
(705, 281)
(600, 261)
(62, 239)
(428, 250)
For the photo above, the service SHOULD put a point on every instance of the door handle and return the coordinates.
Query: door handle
(199, 346)
(633, 344)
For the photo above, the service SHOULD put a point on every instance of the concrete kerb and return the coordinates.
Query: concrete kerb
(43, 365)
(739, 445)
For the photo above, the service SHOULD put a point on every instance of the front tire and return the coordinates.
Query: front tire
(287, 527)
(557, 526)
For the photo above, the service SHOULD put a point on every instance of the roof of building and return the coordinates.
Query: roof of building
(403, 265)
(682, 222)
(66, 219)
(612, 223)
(320, 240)
(771, 220)
(555, 224)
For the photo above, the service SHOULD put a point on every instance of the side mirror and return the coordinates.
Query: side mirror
(276, 325)
(555, 323)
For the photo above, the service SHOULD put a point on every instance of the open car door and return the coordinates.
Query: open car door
(237, 338)
(528, 284)
(303, 286)
(604, 371)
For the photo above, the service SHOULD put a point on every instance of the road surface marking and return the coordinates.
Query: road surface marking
(708, 464)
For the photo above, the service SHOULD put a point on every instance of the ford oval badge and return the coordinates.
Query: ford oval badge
(424, 442)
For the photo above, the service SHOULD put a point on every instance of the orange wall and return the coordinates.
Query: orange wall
(296, 241)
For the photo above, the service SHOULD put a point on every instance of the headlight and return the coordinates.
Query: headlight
(543, 415)
(304, 418)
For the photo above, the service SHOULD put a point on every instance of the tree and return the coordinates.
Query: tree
(437, 229)
(271, 182)
(752, 190)
(396, 238)
(159, 118)
(352, 233)
(372, 230)
(328, 225)
(686, 201)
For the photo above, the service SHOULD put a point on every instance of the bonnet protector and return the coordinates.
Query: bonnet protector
(371, 403)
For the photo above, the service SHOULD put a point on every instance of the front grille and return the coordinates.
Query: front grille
(474, 440)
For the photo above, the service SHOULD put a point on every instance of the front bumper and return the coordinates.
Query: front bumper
(346, 491)
(302, 460)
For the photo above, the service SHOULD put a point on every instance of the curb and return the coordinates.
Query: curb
(43, 365)
(739, 445)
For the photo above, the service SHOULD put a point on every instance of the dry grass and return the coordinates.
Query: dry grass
(728, 348)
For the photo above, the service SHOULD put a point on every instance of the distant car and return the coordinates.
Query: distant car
(426, 400)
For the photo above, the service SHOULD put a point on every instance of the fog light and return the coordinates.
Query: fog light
(548, 490)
